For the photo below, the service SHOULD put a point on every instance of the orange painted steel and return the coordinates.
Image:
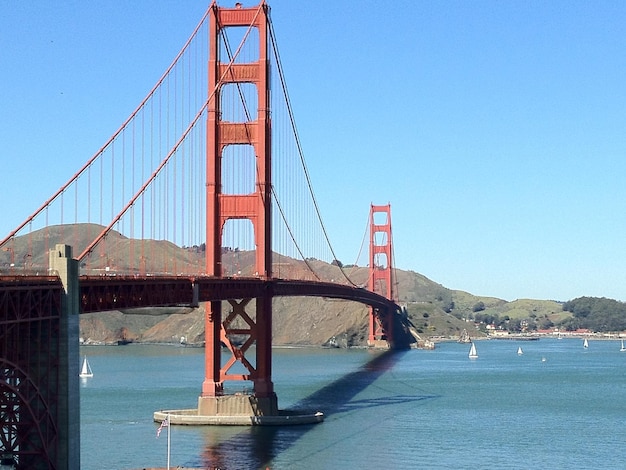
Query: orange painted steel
(255, 207)
(30, 374)
(381, 274)
(105, 293)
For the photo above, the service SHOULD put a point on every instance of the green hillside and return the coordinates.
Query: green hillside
(435, 311)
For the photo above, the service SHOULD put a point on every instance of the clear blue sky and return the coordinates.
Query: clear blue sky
(496, 130)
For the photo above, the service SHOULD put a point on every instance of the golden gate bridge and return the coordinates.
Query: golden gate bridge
(199, 198)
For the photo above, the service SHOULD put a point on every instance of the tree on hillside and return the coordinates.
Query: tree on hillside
(478, 306)
(595, 313)
(515, 325)
(545, 323)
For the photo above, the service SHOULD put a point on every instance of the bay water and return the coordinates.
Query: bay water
(556, 406)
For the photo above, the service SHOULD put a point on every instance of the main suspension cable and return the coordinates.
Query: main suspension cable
(299, 147)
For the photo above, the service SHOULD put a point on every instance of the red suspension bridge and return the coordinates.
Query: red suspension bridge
(206, 174)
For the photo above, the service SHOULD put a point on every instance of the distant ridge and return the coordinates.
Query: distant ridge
(434, 310)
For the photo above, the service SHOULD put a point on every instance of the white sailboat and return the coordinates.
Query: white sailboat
(519, 351)
(622, 349)
(585, 344)
(472, 352)
(85, 370)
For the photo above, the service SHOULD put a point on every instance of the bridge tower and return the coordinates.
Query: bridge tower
(255, 207)
(381, 274)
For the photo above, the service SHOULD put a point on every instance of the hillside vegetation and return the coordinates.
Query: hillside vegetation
(434, 310)
(596, 314)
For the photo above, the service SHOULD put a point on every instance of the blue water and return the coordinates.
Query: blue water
(413, 409)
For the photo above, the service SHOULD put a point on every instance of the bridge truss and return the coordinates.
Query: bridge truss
(33, 379)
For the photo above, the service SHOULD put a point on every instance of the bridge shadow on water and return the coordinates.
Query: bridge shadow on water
(257, 446)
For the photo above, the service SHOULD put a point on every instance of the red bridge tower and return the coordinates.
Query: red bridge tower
(255, 207)
(381, 274)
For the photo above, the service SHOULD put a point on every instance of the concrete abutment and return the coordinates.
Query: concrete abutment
(238, 410)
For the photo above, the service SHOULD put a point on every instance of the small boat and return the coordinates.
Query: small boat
(472, 352)
(519, 351)
(543, 359)
(622, 349)
(585, 344)
(85, 370)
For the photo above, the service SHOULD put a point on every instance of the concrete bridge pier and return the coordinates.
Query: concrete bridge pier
(62, 264)
(259, 408)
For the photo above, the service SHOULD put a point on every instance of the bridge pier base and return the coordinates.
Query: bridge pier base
(260, 406)
(238, 410)
(238, 405)
(378, 344)
(62, 263)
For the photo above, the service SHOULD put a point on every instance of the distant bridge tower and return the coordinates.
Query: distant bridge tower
(255, 133)
(381, 279)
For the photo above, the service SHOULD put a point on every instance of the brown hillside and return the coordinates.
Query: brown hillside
(434, 310)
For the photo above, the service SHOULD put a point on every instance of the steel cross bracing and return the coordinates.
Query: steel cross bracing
(30, 377)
